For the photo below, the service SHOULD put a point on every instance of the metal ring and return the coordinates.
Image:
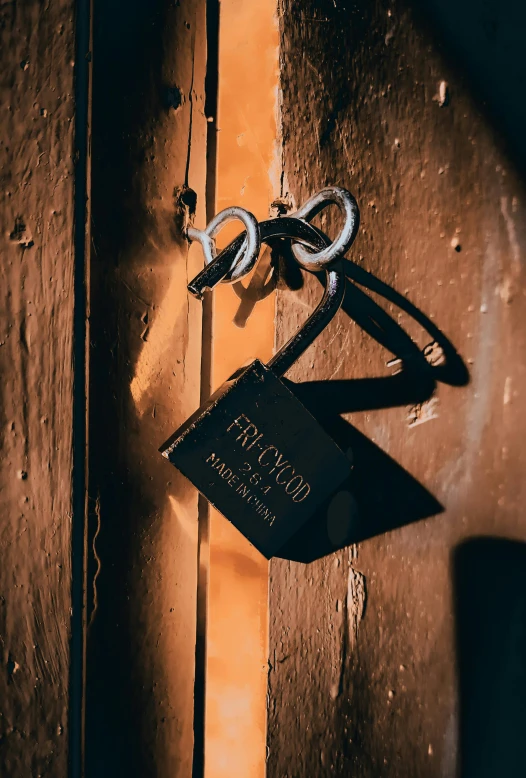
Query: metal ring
(248, 253)
(348, 206)
(308, 235)
(284, 227)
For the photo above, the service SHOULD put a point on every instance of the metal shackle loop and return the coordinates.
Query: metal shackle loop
(301, 232)
(246, 256)
(285, 227)
(321, 316)
(349, 208)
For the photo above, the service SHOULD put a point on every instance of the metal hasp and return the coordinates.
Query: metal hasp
(253, 450)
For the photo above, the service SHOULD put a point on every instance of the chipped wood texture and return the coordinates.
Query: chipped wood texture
(150, 131)
(367, 661)
(36, 363)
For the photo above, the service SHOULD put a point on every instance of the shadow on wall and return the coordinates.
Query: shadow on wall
(483, 41)
(489, 576)
(361, 509)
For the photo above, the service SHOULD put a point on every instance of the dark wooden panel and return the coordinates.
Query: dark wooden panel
(372, 669)
(37, 53)
(149, 143)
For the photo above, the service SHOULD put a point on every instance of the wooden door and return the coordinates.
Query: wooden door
(397, 628)
(397, 617)
(43, 162)
(100, 355)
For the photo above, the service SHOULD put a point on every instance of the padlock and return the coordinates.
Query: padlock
(254, 451)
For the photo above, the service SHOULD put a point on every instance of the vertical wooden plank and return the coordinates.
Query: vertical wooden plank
(236, 680)
(37, 54)
(149, 147)
(381, 653)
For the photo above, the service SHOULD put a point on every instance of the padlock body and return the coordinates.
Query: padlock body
(256, 453)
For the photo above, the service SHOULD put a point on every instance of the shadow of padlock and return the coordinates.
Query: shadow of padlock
(253, 450)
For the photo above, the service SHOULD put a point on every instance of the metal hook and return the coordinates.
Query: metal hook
(348, 206)
(285, 227)
(246, 256)
(306, 234)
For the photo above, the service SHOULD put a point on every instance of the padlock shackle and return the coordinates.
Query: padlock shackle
(317, 321)
(327, 308)
(308, 235)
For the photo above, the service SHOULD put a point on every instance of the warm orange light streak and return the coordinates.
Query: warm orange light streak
(237, 634)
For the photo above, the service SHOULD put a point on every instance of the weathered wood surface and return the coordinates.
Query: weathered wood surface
(404, 655)
(37, 52)
(149, 142)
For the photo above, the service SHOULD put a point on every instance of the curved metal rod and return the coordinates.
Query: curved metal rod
(294, 229)
(349, 208)
(284, 227)
(317, 321)
(248, 252)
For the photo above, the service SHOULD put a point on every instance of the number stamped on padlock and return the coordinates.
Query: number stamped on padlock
(259, 457)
